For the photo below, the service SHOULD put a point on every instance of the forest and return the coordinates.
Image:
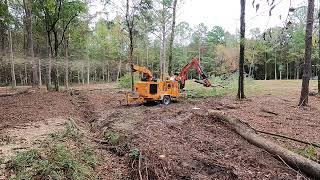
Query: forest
(61, 40)
(129, 89)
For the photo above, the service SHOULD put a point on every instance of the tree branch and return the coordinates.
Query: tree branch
(65, 28)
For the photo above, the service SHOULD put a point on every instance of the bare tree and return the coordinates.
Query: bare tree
(307, 57)
(240, 94)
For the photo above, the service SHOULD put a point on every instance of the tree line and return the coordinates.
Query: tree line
(58, 42)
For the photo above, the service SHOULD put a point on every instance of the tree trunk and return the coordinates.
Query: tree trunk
(103, 72)
(172, 36)
(78, 77)
(163, 51)
(280, 72)
(82, 73)
(21, 78)
(307, 60)
(130, 26)
(66, 76)
(13, 74)
(318, 67)
(298, 72)
(275, 66)
(147, 55)
(296, 161)
(40, 74)
(48, 81)
(240, 94)
(3, 40)
(28, 25)
(287, 70)
(25, 74)
(265, 71)
(108, 73)
(88, 73)
(55, 73)
(119, 70)
(199, 54)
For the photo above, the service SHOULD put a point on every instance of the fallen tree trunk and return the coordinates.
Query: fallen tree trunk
(17, 93)
(296, 161)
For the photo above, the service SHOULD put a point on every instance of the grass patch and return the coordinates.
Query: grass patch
(113, 138)
(229, 83)
(61, 156)
(307, 151)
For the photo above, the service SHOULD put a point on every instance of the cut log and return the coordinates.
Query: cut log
(17, 93)
(296, 161)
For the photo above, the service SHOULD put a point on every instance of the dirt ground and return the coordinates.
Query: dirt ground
(178, 141)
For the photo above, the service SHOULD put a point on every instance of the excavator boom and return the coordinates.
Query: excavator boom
(195, 63)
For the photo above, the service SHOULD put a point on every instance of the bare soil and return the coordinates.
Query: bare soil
(178, 141)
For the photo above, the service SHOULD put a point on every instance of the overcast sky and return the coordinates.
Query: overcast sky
(226, 13)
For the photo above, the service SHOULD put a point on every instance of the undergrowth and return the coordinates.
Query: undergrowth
(125, 81)
(63, 155)
(307, 151)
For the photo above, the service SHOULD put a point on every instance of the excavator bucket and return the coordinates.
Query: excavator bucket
(205, 82)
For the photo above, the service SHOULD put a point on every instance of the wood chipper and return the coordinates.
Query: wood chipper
(149, 89)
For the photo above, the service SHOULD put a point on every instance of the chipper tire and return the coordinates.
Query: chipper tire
(166, 100)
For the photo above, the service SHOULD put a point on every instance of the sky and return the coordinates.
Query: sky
(226, 13)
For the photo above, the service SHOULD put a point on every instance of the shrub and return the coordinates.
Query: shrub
(125, 81)
(55, 160)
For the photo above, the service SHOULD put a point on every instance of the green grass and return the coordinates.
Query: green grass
(307, 151)
(56, 159)
(230, 85)
(113, 138)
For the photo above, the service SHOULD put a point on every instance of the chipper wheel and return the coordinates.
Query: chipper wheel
(166, 100)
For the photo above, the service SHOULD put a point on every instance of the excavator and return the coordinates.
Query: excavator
(149, 89)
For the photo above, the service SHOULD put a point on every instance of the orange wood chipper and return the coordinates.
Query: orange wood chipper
(149, 89)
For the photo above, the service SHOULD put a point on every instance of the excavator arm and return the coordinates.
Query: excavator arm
(195, 63)
(141, 69)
